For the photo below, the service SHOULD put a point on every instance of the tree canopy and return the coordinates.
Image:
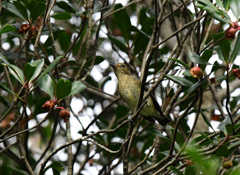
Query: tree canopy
(60, 109)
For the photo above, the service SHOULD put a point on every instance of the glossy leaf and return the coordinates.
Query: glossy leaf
(220, 4)
(17, 73)
(141, 36)
(216, 13)
(51, 66)
(155, 131)
(7, 28)
(226, 4)
(98, 60)
(225, 48)
(219, 52)
(63, 89)
(225, 126)
(175, 170)
(236, 50)
(32, 70)
(64, 39)
(56, 167)
(207, 54)
(133, 28)
(123, 21)
(12, 8)
(77, 87)
(180, 62)
(197, 59)
(197, 85)
(235, 7)
(206, 120)
(37, 9)
(234, 144)
(66, 6)
(122, 46)
(216, 66)
(5, 88)
(203, 135)
(21, 8)
(47, 84)
(62, 16)
(179, 80)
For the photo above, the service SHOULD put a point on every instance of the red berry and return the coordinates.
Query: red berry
(196, 72)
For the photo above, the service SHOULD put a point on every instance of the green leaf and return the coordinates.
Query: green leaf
(5, 88)
(179, 80)
(64, 39)
(189, 170)
(37, 9)
(236, 50)
(32, 70)
(133, 28)
(225, 126)
(62, 16)
(77, 87)
(51, 66)
(219, 52)
(10, 7)
(197, 85)
(47, 84)
(180, 62)
(98, 60)
(187, 73)
(235, 171)
(140, 38)
(17, 73)
(206, 120)
(235, 7)
(175, 170)
(204, 136)
(216, 66)
(225, 47)
(66, 6)
(123, 21)
(122, 46)
(56, 167)
(7, 28)
(155, 131)
(21, 8)
(207, 54)
(212, 10)
(63, 89)
(226, 4)
(219, 3)
(234, 144)
(197, 59)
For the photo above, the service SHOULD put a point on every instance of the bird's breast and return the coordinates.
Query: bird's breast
(129, 90)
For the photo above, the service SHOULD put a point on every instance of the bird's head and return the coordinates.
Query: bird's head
(121, 68)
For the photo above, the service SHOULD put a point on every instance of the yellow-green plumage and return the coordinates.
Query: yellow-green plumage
(129, 88)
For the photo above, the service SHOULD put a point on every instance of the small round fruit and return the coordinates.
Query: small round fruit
(196, 72)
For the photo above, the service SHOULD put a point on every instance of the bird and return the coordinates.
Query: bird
(129, 87)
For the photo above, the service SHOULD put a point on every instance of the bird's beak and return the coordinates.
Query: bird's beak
(113, 66)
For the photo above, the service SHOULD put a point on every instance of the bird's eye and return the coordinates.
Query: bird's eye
(122, 65)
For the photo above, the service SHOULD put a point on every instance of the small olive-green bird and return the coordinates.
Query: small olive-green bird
(129, 87)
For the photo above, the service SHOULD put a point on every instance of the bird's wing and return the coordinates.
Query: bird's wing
(164, 119)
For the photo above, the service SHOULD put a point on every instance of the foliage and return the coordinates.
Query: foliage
(60, 110)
